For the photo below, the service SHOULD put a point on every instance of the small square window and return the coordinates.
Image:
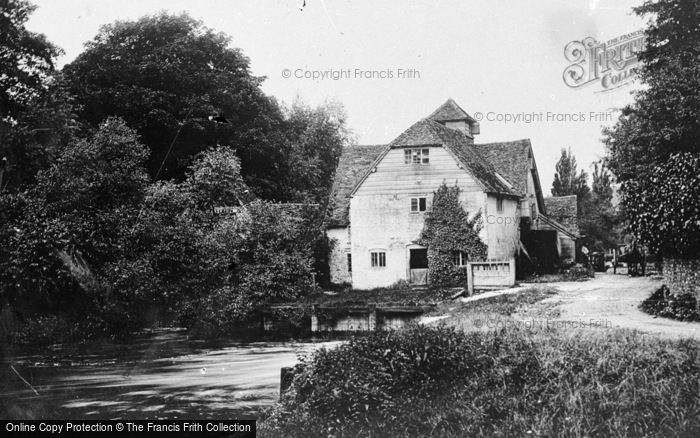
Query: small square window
(378, 259)
(419, 204)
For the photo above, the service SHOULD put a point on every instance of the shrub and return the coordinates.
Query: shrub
(663, 303)
(512, 382)
(381, 376)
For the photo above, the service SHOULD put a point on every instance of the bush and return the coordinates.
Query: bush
(512, 382)
(683, 307)
(369, 381)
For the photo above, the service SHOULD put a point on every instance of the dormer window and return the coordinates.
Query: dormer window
(416, 156)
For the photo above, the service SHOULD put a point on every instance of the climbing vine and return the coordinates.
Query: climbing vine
(449, 230)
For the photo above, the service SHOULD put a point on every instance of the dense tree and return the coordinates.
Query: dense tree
(36, 116)
(183, 89)
(567, 179)
(314, 142)
(665, 214)
(26, 59)
(73, 226)
(665, 117)
(602, 183)
(90, 239)
(599, 221)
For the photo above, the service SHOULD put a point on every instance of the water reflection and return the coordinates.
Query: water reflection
(159, 375)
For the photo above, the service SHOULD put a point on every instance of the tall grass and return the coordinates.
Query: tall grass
(509, 382)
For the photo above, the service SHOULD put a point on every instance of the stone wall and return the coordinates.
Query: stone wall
(682, 275)
(338, 258)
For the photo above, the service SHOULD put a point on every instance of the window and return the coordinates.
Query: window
(499, 205)
(418, 204)
(459, 258)
(416, 156)
(378, 259)
(349, 256)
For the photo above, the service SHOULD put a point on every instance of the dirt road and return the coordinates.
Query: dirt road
(611, 300)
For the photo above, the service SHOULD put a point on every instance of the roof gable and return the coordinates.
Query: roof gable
(427, 132)
(450, 111)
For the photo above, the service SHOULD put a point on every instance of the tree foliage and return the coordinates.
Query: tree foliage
(663, 121)
(599, 220)
(36, 115)
(664, 210)
(26, 59)
(314, 141)
(69, 231)
(567, 179)
(92, 243)
(185, 90)
(166, 75)
(449, 229)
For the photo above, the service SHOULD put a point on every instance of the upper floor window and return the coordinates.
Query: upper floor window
(499, 205)
(349, 257)
(418, 204)
(416, 156)
(378, 259)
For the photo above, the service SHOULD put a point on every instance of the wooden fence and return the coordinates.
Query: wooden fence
(491, 274)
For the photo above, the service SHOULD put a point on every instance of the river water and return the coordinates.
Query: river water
(160, 375)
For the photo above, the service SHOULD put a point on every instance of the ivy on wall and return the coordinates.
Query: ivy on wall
(447, 230)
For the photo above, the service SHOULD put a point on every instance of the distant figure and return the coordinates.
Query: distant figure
(584, 251)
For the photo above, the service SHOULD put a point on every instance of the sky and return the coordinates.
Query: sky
(392, 63)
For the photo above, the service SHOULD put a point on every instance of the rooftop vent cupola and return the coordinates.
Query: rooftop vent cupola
(451, 115)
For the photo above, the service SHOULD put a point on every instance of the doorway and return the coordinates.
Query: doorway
(418, 266)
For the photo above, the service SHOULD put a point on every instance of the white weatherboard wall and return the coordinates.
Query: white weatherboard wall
(502, 229)
(380, 215)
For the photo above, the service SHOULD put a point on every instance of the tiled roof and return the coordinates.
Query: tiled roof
(564, 210)
(352, 166)
(510, 159)
(450, 111)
